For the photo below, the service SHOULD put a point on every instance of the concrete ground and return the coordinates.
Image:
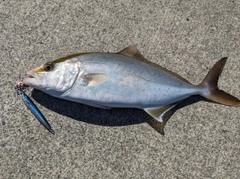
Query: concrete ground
(201, 140)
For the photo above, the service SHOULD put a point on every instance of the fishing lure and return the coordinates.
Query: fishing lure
(32, 107)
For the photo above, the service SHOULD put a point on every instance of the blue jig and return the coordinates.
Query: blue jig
(33, 108)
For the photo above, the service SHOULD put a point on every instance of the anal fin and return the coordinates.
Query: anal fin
(160, 116)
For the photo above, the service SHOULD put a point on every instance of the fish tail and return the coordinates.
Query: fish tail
(212, 92)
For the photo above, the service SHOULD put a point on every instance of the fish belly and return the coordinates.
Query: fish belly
(129, 83)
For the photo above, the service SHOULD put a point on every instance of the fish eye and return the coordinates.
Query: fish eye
(48, 66)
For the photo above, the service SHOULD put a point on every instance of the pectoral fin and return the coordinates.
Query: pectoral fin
(161, 116)
(95, 79)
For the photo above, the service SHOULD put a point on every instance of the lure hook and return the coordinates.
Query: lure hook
(32, 107)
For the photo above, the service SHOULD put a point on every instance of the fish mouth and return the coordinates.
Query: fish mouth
(31, 80)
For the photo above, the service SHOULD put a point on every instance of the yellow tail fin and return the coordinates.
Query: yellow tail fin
(211, 83)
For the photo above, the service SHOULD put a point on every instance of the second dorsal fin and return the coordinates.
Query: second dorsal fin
(132, 51)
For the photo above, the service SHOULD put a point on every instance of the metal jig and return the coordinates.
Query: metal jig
(32, 107)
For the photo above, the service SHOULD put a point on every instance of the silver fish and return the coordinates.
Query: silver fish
(124, 80)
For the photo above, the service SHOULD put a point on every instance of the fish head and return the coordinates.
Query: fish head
(53, 77)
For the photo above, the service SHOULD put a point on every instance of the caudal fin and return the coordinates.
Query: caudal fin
(211, 83)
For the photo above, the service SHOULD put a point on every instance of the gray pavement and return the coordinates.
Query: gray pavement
(201, 140)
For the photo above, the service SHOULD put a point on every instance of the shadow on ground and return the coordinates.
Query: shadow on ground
(103, 117)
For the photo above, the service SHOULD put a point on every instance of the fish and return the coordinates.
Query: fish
(33, 108)
(125, 79)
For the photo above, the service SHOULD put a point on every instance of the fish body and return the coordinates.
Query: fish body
(124, 79)
(115, 80)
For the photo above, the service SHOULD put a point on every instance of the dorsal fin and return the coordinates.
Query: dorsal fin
(132, 51)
